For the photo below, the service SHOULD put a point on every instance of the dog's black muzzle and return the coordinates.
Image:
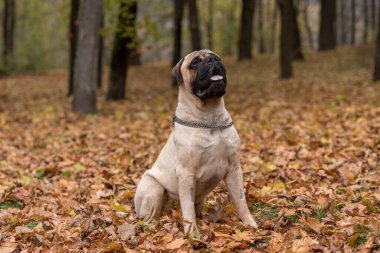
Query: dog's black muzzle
(210, 81)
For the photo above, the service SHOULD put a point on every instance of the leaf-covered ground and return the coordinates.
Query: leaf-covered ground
(310, 155)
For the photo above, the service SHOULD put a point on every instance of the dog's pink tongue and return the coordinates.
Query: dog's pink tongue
(216, 77)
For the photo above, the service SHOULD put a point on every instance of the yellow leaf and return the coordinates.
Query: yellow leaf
(266, 190)
(26, 180)
(116, 206)
(79, 167)
(269, 167)
(279, 186)
(119, 114)
(72, 213)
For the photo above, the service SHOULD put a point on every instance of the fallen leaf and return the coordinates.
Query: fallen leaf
(126, 231)
(175, 244)
(242, 236)
(8, 247)
(276, 242)
(314, 224)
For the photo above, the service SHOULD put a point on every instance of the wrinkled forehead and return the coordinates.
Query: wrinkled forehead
(200, 53)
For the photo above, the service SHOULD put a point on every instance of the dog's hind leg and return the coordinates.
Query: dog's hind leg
(149, 198)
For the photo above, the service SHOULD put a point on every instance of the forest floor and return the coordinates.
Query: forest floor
(310, 155)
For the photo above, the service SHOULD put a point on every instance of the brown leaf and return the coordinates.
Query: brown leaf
(355, 209)
(8, 247)
(314, 224)
(242, 236)
(302, 245)
(218, 234)
(112, 247)
(126, 231)
(175, 244)
(276, 242)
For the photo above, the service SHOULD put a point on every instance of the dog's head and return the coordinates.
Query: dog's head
(203, 74)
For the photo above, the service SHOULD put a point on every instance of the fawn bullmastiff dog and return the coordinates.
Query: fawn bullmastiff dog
(202, 149)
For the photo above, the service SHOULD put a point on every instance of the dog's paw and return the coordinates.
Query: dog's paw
(249, 221)
(191, 230)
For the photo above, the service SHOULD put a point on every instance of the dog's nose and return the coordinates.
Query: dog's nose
(211, 59)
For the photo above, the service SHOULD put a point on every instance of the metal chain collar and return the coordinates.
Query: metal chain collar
(199, 124)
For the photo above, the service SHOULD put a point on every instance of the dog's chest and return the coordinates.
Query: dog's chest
(220, 151)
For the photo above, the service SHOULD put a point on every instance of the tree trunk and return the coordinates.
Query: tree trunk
(86, 60)
(262, 49)
(100, 55)
(135, 55)
(210, 24)
(343, 37)
(178, 15)
(366, 22)
(124, 40)
(327, 30)
(73, 37)
(310, 36)
(297, 46)
(273, 28)
(373, 15)
(8, 29)
(353, 21)
(286, 40)
(194, 25)
(246, 28)
(376, 73)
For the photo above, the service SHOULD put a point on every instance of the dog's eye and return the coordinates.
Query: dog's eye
(195, 62)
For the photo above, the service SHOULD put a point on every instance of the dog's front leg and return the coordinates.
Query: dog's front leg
(186, 187)
(234, 183)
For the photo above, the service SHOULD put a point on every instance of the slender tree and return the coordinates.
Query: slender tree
(273, 27)
(73, 38)
(376, 72)
(343, 30)
(246, 27)
(194, 25)
(286, 38)
(8, 29)
(310, 37)
(178, 15)
(366, 22)
(100, 55)
(210, 24)
(261, 26)
(327, 30)
(353, 22)
(86, 60)
(297, 46)
(373, 15)
(135, 56)
(123, 42)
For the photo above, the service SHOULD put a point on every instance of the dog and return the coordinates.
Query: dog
(202, 149)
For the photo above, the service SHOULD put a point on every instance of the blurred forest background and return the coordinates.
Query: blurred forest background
(302, 90)
(41, 31)
(36, 21)
(38, 35)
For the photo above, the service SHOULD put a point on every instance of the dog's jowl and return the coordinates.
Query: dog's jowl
(202, 149)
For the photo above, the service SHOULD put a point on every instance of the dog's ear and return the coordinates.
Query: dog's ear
(176, 73)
